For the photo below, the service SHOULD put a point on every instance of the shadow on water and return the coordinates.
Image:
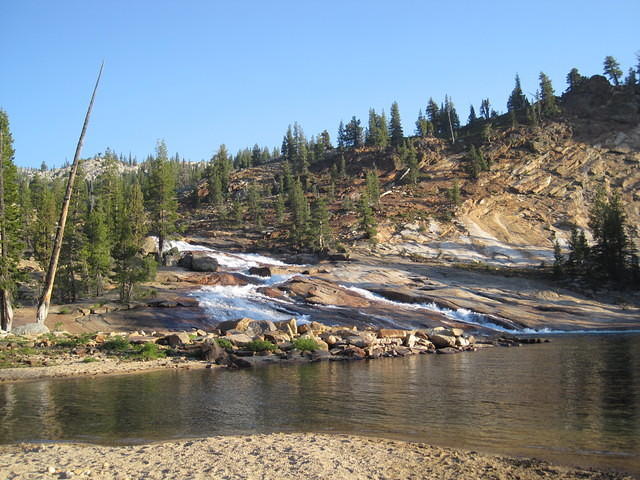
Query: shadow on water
(572, 401)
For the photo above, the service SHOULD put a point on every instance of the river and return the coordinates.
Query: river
(575, 401)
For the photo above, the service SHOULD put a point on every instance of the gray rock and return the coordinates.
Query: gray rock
(442, 341)
(30, 329)
(201, 262)
(260, 271)
(175, 339)
(239, 339)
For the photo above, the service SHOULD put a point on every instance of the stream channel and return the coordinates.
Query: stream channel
(573, 401)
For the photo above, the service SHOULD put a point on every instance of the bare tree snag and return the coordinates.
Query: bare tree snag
(45, 299)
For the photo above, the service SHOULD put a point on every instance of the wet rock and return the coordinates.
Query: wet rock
(271, 292)
(238, 362)
(314, 290)
(260, 271)
(356, 353)
(447, 350)
(201, 262)
(224, 279)
(320, 355)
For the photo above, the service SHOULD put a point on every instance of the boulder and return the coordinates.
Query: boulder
(239, 339)
(149, 245)
(171, 257)
(260, 271)
(391, 333)
(447, 350)
(30, 329)
(241, 325)
(290, 326)
(271, 292)
(277, 337)
(224, 279)
(212, 352)
(315, 327)
(354, 352)
(361, 339)
(238, 362)
(201, 262)
(314, 290)
(175, 340)
(410, 340)
(442, 341)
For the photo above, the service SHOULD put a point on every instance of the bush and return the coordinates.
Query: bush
(89, 360)
(305, 344)
(118, 344)
(260, 346)
(149, 351)
(224, 343)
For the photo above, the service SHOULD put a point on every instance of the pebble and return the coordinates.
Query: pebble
(51, 470)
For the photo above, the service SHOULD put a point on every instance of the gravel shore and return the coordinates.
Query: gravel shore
(275, 456)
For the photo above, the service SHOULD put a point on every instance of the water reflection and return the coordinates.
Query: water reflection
(574, 400)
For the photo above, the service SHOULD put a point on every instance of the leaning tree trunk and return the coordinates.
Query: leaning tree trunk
(6, 312)
(45, 299)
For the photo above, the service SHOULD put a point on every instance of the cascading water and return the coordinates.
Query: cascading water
(233, 302)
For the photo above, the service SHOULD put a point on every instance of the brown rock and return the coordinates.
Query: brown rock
(239, 339)
(175, 339)
(271, 292)
(314, 290)
(391, 333)
(354, 352)
(362, 339)
(442, 341)
(260, 271)
(277, 336)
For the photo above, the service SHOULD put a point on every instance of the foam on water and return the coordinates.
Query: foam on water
(233, 261)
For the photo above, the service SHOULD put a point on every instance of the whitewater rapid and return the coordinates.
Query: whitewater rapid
(234, 302)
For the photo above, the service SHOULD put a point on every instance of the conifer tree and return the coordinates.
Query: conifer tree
(373, 186)
(574, 79)
(578, 251)
(411, 161)
(131, 267)
(161, 197)
(321, 235)
(341, 136)
(10, 224)
(433, 114)
(517, 100)
(549, 106)
(472, 119)
(485, 109)
(353, 134)
(98, 246)
(367, 219)
(608, 224)
(395, 126)
(299, 213)
(612, 70)
(424, 128)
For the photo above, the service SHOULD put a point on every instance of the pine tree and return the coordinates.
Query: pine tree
(367, 219)
(547, 97)
(377, 134)
(98, 246)
(608, 224)
(424, 128)
(411, 161)
(631, 80)
(161, 197)
(485, 109)
(578, 251)
(472, 119)
(299, 213)
(517, 100)
(373, 186)
(558, 259)
(574, 79)
(353, 134)
(612, 70)
(10, 224)
(131, 267)
(341, 136)
(395, 126)
(254, 204)
(433, 114)
(321, 235)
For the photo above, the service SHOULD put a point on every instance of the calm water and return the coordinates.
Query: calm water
(575, 401)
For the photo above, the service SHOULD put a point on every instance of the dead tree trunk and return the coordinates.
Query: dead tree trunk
(45, 299)
(6, 312)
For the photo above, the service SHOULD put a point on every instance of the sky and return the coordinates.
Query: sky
(199, 73)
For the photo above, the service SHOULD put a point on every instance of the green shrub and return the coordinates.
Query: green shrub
(224, 343)
(149, 351)
(72, 341)
(305, 344)
(118, 344)
(89, 360)
(260, 346)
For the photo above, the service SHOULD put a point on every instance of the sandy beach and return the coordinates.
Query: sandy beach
(275, 456)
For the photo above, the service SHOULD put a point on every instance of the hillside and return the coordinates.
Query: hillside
(541, 182)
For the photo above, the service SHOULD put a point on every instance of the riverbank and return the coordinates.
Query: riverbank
(275, 456)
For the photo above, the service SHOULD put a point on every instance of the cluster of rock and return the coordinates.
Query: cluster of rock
(232, 342)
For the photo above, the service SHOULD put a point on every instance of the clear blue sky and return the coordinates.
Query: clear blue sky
(201, 73)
